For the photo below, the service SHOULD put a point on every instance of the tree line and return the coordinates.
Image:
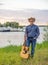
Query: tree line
(11, 24)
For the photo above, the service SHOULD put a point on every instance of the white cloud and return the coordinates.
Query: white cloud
(23, 4)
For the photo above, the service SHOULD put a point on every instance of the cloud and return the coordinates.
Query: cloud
(1, 4)
(24, 4)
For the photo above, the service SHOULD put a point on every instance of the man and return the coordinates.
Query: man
(31, 35)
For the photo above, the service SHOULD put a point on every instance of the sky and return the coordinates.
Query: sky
(24, 4)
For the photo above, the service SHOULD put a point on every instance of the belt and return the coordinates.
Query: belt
(30, 37)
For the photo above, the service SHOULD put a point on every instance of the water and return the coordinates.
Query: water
(16, 38)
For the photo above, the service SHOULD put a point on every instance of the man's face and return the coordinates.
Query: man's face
(31, 21)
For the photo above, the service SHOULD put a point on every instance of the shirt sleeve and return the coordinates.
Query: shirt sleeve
(26, 31)
(37, 32)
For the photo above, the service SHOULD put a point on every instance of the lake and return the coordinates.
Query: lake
(16, 38)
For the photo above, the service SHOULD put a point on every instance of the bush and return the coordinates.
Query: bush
(46, 34)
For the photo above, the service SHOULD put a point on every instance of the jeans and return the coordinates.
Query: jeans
(33, 44)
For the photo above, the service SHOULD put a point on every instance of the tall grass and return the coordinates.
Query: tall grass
(10, 55)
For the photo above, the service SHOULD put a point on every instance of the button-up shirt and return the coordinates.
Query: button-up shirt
(32, 31)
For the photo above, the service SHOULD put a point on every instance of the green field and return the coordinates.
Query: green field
(10, 55)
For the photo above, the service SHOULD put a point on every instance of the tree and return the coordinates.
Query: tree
(6, 24)
(11, 24)
(1, 25)
(20, 26)
(14, 24)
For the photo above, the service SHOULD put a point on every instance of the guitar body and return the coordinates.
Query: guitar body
(24, 52)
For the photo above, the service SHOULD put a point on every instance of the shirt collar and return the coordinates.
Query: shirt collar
(32, 25)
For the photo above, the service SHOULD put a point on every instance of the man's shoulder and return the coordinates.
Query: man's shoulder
(33, 25)
(36, 25)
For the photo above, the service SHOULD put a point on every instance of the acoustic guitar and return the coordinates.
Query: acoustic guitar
(25, 51)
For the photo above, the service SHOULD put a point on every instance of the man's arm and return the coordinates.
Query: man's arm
(25, 35)
(37, 33)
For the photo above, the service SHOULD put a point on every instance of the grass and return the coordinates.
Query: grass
(10, 55)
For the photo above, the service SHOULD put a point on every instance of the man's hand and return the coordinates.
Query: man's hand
(34, 37)
(25, 38)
